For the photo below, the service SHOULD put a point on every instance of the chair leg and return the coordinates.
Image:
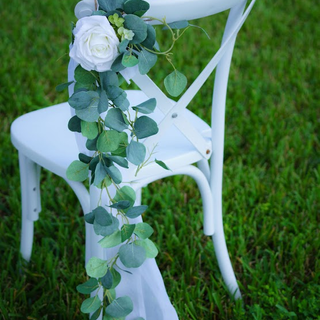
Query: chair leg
(30, 202)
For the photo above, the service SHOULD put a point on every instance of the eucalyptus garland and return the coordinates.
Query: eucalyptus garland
(110, 37)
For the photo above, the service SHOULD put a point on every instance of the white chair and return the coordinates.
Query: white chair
(183, 138)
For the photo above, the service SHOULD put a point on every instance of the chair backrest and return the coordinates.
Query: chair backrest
(171, 110)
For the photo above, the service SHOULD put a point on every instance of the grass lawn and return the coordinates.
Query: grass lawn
(271, 172)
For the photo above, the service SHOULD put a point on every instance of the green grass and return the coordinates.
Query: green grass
(271, 173)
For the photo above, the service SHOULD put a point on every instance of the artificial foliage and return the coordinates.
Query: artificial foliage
(110, 38)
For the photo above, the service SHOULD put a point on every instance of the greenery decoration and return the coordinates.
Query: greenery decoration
(110, 38)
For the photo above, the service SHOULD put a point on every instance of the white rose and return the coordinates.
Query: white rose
(95, 45)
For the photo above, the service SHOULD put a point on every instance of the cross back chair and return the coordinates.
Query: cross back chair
(183, 138)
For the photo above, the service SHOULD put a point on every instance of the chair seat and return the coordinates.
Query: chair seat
(43, 136)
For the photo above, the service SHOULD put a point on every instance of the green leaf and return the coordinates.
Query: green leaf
(109, 78)
(123, 46)
(103, 102)
(148, 245)
(145, 127)
(120, 307)
(107, 280)
(84, 158)
(114, 174)
(89, 129)
(125, 193)
(116, 277)
(143, 230)
(135, 212)
(77, 171)
(150, 41)
(118, 97)
(102, 216)
(146, 61)
(84, 76)
(96, 268)
(108, 5)
(89, 217)
(121, 205)
(82, 99)
(177, 25)
(137, 26)
(89, 286)
(106, 230)
(108, 141)
(63, 86)
(91, 113)
(92, 144)
(131, 255)
(127, 231)
(96, 314)
(162, 164)
(112, 240)
(129, 60)
(123, 143)
(175, 83)
(120, 161)
(146, 107)
(74, 124)
(136, 152)
(100, 173)
(91, 305)
(117, 65)
(115, 120)
(137, 7)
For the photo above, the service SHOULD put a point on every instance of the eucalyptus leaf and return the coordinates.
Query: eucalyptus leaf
(150, 41)
(84, 76)
(114, 174)
(120, 307)
(123, 46)
(177, 25)
(116, 277)
(111, 240)
(143, 230)
(84, 158)
(91, 304)
(89, 286)
(74, 124)
(127, 231)
(96, 314)
(91, 144)
(63, 86)
(108, 141)
(96, 268)
(99, 174)
(91, 113)
(146, 61)
(102, 216)
(109, 78)
(175, 83)
(138, 27)
(108, 5)
(83, 99)
(89, 217)
(129, 60)
(131, 255)
(106, 230)
(125, 193)
(123, 143)
(107, 280)
(119, 160)
(147, 106)
(135, 212)
(148, 245)
(117, 65)
(89, 129)
(77, 171)
(103, 102)
(119, 97)
(137, 7)
(162, 164)
(115, 120)
(136, 152)
(145, 127)
(121, 205)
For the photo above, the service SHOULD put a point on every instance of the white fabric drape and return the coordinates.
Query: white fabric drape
(145, 285)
